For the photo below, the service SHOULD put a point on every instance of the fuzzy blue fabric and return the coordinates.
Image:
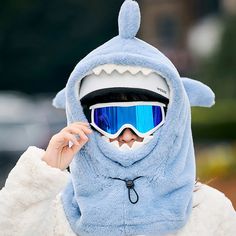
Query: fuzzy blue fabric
(129, 19)
(96, 201)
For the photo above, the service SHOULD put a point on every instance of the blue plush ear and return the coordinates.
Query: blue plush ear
(129, 19)
(198, 93)
(60, 100)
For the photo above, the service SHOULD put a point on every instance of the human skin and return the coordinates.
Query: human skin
(127, 136)
(59, 154)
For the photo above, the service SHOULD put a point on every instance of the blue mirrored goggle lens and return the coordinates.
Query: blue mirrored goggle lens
(143, 117)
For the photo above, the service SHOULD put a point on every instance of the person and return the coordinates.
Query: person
(129, 147)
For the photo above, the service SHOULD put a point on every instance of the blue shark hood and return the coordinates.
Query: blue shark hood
(96, 201)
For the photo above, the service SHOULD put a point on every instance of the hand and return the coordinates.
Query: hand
(58, 153)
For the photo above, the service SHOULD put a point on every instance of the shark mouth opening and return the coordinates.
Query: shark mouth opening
(111, 79)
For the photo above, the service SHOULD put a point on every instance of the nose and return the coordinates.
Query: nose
(128, 137)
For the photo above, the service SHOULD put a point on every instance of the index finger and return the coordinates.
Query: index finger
(81, 123)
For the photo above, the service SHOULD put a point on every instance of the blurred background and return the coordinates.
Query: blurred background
(41, 41)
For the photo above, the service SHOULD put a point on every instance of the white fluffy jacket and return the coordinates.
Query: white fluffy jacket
(30, 203)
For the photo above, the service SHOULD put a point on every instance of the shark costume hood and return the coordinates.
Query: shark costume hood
(144, 191)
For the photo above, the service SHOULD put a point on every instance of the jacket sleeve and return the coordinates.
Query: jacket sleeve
(219, 213)
(31, 182)
(227, 225)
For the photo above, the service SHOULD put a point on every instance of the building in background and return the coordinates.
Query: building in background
(166, 24)
(229, 6)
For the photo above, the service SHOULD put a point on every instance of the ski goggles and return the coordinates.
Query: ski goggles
(143, 118)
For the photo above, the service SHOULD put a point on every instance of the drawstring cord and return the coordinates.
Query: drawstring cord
(130, 186)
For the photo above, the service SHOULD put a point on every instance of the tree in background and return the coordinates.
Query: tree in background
(41, 41)
(219, 71)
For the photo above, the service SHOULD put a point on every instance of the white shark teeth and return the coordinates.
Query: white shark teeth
(125, 147)
(98, 70)
(137, 145)
(107, 68)
(115, 143)
(146, 71)
(147, 139)
(121, 69)
(133, 70)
